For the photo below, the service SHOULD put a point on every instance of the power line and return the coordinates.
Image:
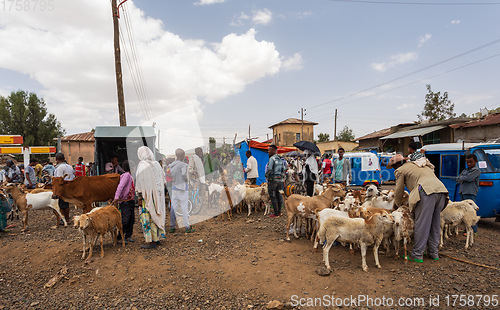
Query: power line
(134, 65)
(420, 80)
(408, 74)
(417, 3)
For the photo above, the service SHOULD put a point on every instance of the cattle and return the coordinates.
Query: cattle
(83, 191)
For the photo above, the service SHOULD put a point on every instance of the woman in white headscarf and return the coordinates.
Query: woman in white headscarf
(310, 172)
(150, 182)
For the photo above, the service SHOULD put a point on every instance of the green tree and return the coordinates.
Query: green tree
(323, 137)
(25, 114)
(346, 134)
(211, 143)
(437, 107)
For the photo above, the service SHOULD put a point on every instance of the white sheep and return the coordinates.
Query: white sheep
(322, 216)
(254, 196)
(456, 213)
(357, 231)
(403, 228)
(371, 192)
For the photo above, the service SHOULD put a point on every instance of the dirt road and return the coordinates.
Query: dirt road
(241, 264)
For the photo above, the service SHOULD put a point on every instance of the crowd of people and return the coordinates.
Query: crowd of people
(146, 184)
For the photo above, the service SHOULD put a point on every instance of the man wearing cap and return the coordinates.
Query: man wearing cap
(428, 197)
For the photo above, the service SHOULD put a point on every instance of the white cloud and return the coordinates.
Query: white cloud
(395, 60)
(205, 2)
(293, 63)
(72, 58)
(405, 106)
(239, 20)
(262, 17)
(301, 15)
(455, 22)
(424, 39)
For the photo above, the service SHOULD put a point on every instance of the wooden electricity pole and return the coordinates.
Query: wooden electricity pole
(118, 64)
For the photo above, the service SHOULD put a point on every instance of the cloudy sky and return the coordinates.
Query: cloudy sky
(213, 67)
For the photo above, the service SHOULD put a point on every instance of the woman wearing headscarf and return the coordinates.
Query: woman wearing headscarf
(150, 182)
(310, 172)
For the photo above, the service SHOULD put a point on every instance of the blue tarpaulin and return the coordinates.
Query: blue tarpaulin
(261, 156)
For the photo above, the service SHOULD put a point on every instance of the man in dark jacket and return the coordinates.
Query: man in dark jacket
(275, 175)
(469, 181)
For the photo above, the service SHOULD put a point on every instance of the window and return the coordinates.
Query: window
(431, 138)
(449, 166)
(488, 160)
(297, 136)
(279, 137)
(384, 161)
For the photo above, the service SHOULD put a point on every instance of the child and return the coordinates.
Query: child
(469, 180)
(413, 154)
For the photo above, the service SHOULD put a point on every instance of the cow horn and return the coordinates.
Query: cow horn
(65, 175)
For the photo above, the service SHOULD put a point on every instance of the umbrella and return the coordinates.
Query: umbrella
(294, 154)
(306, 145)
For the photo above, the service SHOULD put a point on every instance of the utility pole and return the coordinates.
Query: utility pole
(335, 128)
(302, 121)
(249, 133)
(118, 63)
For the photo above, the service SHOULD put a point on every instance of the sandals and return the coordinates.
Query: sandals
(415, 260)
(190, 230)
(433, 258)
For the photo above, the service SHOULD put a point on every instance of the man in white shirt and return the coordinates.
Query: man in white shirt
(63, 168)
(252, 168)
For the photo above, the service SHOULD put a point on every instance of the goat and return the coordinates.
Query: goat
(37, 201)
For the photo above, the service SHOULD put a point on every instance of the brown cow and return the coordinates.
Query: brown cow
(83, 191)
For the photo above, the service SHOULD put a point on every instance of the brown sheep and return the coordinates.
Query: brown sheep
(96, 223)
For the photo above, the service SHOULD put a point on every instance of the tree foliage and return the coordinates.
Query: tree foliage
(323, 137)
(346, 134)
(437, 107)
(25, 114)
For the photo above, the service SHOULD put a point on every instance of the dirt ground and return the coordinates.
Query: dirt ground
(240, 264)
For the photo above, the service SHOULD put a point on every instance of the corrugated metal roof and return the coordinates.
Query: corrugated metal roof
(293, 121)
(85, 136)
(376, 134)
(124, 132)
(413, 132)
(493, 119)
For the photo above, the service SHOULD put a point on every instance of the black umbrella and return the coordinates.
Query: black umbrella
(294, 154)
(306, 145)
